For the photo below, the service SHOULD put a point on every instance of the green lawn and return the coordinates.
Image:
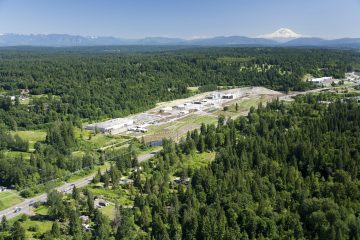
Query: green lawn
(244, 105)
(193, 89)
(44, 96)
(8, 199)
(91, 141)
(25, 101)
(199, 160)
(41, 210)
(108, 211)
(120, 196)
(40, 226)
(85, 173)
(35, 227)
(78, 154)
(32, 136)
(14, 154)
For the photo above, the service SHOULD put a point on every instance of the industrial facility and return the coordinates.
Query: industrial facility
(111, 126)
(138, 123)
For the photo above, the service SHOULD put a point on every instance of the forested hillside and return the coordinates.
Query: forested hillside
(286, 171)
(282, 172)
(95, 83)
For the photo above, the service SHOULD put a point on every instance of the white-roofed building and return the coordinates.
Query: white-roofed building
(320, 80)
(111, 126)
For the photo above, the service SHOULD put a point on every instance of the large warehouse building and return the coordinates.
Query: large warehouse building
(111, 126)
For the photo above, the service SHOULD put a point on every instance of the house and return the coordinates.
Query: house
(111, 126)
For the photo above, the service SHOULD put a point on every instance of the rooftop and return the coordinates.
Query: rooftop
(113, 122)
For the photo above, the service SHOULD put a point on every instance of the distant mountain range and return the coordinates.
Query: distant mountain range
(282, 37)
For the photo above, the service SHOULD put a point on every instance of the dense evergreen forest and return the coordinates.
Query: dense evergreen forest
(282, 172)
(80, 83)
(286, 171)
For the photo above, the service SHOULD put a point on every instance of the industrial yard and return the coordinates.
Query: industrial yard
(173, 119)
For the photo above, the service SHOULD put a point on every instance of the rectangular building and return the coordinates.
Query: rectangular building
(320, 80)
(111, 126)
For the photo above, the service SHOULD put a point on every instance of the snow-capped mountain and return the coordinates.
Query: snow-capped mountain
(282, 35)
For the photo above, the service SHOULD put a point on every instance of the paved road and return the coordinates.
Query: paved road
(26, 208)
(289, 96)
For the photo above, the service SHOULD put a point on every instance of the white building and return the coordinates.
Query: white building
(111, 126)
(165, 110)
(320, 80)
(192, 107)
(214, 96)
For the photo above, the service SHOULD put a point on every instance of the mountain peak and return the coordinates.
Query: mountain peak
(282, 33)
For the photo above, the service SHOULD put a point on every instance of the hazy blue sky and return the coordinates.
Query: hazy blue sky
(181, 18)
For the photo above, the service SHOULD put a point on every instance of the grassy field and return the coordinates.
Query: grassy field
(85, 173)
(91, 141)
(8, 199)
(42, 210)
(178, 128)
(32, 136)
(244, 106)
(14, 154)
(199, 160)
(25, 101)
(193, 89)
(108, 211)
(35, 228)
(119, 195)
(194, 162)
